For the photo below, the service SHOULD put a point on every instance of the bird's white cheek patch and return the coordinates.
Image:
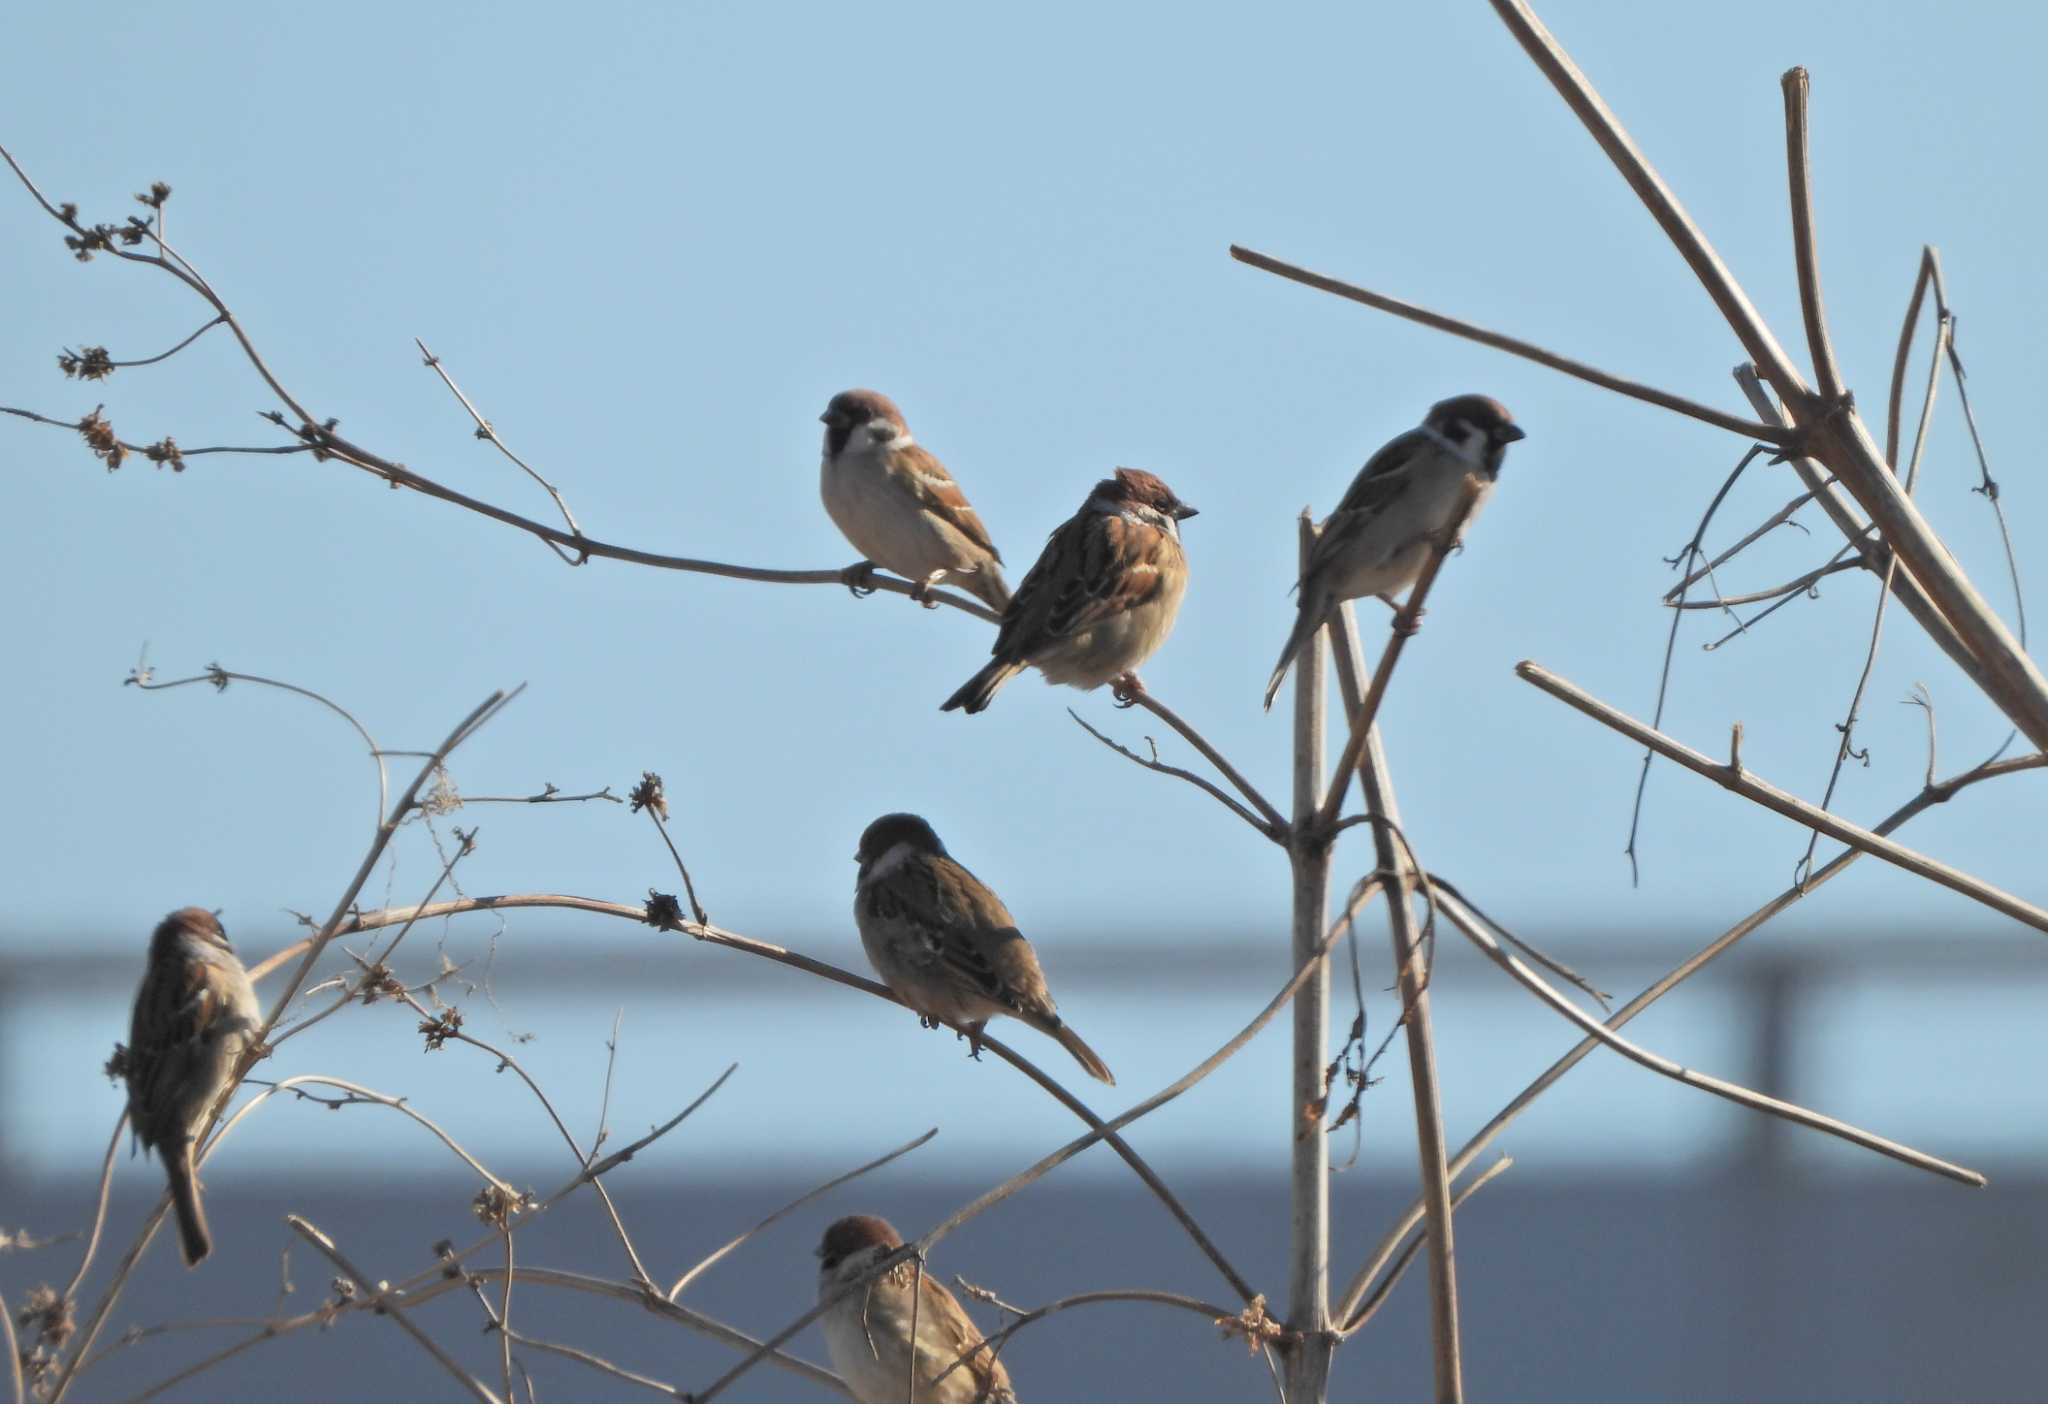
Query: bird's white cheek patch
(889, 862)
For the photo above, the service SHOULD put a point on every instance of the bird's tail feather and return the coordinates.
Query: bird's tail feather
(193, 1239)
(1083, 1054)
(1305, 624)
(978, 691)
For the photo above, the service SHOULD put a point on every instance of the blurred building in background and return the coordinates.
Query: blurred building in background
(1649, 1243)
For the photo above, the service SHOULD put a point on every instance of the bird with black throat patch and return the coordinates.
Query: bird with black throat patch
(945, 944)
(897, 504)
(195, 1016)
(1397, 508)
(1102, 597)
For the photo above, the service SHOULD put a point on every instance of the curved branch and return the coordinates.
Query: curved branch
(1413, 1246)
(1206, 786)
(383, 1305)
(1930, 795)
(1466, 922)
(1209, 753)
(1041, 1168)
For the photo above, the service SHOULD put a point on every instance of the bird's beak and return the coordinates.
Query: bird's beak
(1508, 433)
(1183, 512)
(824, 419)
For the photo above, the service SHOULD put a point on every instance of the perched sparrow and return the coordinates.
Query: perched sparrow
(947, 945)
(195, 1016)
(898, 505)
(868, 1329)
(1102, 597)
(1380, 536)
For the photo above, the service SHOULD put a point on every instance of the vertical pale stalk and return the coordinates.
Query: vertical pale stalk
(1411, 972)
(1308, 854)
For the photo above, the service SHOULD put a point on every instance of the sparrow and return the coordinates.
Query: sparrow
(1101, 598)
(899, 506)
(945, 944)
(195, 1016)
(1381, 534)
(868, 1329)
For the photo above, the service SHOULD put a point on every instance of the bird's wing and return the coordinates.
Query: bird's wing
(1384, 480)
(175, 1013)
(967, 937)
(956, 1334)
(1094, 567)
(937, 493)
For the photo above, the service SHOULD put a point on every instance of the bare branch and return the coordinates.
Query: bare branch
(1799, 170)
(718, 1255)
(1209, 787)
(1790, 587)
(1746, 784)
(489, 435)
(1657, 197)
(143, 679)
(1308, 861)
(1782, 517)
(712, 935)
(1041, 1168)
(99, 1213)
(1386, 1284)
(385, 1306)
(1846, 746)
(1216, 1315)
(1741, 1096)
(1411, 973)
(1195, 738)
(1514, 346)
(1929, 796)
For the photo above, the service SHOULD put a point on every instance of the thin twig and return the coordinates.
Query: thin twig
(477, 717)
(1514, 346)
(1230, 772)
(1846, 746)
(1040, 1169)
(99, 1213)
(1466, 922)
(1691, 553)
(485, 432)
(144, 449)
(1929, 796)
(1208, 787)
(595, 1362)
(1746, 784)
(1386, 1284)
(385, 1306)
(718, 1255)
(1782, 517)
(1827, 427)
(1216, 1315)
(1790, 587)
(144, 680)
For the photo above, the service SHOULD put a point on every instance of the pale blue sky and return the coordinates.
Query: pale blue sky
(652, 241)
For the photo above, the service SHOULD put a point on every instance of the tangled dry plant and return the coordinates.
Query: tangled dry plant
(1865, 491)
